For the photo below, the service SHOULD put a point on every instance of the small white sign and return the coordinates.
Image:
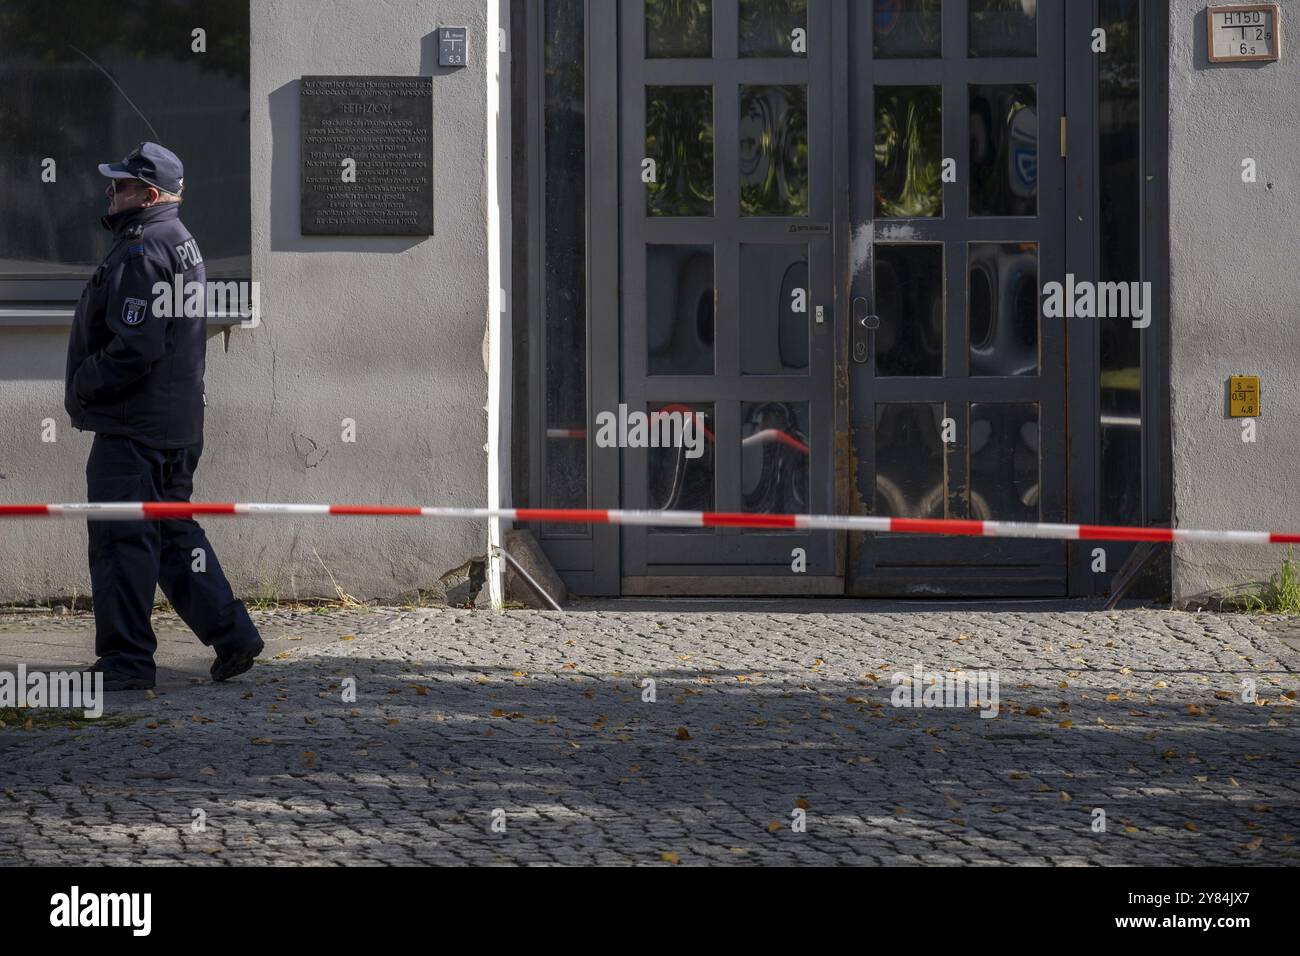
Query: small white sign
(1244, 33)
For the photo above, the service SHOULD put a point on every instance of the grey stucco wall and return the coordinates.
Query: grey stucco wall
(386, 331)
(1235, 298)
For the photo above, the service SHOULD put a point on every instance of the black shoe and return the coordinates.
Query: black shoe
(116, 680)
(224, 668)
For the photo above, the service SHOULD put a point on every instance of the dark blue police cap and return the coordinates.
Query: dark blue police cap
(150, 163)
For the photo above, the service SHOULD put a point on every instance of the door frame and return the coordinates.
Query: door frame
(1082, 238)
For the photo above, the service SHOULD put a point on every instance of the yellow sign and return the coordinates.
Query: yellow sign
(1243, 396)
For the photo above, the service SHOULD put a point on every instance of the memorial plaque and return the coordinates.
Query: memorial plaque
(367, 155)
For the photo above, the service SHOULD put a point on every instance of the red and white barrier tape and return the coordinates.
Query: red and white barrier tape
(163, 510)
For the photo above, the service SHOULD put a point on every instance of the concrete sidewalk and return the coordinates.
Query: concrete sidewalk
(526, 738)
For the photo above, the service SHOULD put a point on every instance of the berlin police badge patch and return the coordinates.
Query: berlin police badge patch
(133, 311)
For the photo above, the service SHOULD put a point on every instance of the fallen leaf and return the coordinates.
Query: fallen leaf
(801, 803)
(282, 656)
(392, 720)
(348, 637)
(1191, 826)
(1063, 685)
(1066, 724)
(774, 826)
(683, 734)
(420, 689)
(1194, 711)
(1112, 697)
(1254, 844)
(208, 771)
(260, 741)
(672, 858)
(1066, 797)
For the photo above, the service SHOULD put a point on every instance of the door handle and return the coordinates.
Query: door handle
(864, 327)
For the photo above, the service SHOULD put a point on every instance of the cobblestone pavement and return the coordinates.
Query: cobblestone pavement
(537, 722)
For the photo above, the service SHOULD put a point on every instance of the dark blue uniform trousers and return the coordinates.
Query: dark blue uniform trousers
(127, 558)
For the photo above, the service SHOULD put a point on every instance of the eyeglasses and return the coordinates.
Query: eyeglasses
(124, 185)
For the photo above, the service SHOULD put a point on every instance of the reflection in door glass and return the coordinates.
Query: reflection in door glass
(775, 456)
(1004, 462)
(1003, 27)
(680, 477)
(768, 27)
(774, 151)
(775, 307)
(1119, 200)
(1003, 305)
(679, 138)
(908, 28)
(909, 151)
(679, 310)
(1004, 150)
(909, 461)
(909, 301)
(678, 28)
(565, 286)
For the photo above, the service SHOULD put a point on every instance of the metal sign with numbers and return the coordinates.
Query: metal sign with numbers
(1244, 33)
(1243, 396)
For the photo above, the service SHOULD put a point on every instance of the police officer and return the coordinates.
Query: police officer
(135, 379)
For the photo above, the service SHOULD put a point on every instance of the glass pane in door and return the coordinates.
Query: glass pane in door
(1003, 308)
(773, 28)
(909, 151)
(679, 138)
(1004, 150)
(680, 473)
(909, 461)
(909, 302)
(678, 28)
(679, 310)
(775, 453)
(774, 150)
(907, 28)
(774, 309)
(1003, 27)
(1004, 462)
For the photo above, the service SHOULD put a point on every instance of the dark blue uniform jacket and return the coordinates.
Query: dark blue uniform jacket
(131, 371)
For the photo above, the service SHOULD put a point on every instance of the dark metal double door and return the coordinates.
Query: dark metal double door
(796, 272)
